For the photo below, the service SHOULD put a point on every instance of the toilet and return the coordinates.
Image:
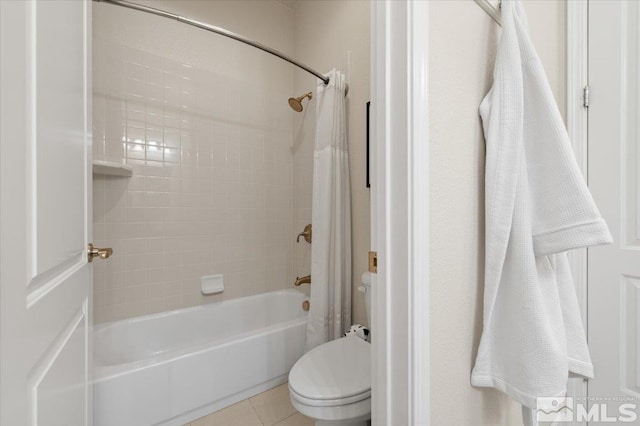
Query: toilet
(332, 382)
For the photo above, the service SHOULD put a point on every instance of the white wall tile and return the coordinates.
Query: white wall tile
(210, 192)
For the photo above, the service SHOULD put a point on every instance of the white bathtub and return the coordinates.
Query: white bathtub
(173, 367)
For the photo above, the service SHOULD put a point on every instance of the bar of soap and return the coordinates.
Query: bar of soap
(212, 284)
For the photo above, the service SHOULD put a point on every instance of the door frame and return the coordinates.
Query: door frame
(577, 127)
(389, 35)
(397, 27)
(400, 213)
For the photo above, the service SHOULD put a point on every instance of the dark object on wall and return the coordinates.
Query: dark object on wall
(368, 108)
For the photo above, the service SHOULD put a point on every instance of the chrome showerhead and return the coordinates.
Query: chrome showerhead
(296, 103)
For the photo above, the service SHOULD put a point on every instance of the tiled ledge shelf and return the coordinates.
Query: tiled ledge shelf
(111, 169)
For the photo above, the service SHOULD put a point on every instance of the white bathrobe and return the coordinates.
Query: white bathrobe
(537, 208)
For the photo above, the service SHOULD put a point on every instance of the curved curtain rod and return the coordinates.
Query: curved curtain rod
(217, 30)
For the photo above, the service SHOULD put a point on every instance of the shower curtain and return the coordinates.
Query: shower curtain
(330, 312)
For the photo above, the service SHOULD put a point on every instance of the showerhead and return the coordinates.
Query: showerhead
(296, 103)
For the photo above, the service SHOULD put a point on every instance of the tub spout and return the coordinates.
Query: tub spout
(303, 280)
(306, 234)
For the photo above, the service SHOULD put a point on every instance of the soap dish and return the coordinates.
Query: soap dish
(212, 284)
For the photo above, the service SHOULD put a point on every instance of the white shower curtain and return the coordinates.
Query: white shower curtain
(330, 312)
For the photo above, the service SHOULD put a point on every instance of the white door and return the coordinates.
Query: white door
(45, 289)
(614, 179)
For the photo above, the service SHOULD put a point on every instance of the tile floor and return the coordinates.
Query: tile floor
(270, 408)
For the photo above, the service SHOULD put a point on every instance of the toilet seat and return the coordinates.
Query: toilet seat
(329, 402)
(333, 374)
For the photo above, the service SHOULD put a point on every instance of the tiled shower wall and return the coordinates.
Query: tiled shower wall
(211, 191)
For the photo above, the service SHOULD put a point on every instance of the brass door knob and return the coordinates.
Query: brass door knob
(101, 253)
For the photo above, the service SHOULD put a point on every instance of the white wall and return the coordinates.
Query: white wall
(462, 48)
(333, 34)
(204, 122)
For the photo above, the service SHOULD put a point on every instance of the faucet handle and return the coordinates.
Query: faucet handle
(306, 234)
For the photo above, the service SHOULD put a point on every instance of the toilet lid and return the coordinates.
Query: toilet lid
(335, 370)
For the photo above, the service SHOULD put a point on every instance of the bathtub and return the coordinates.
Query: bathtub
(174, 367)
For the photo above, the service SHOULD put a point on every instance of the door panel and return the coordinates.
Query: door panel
(57, 386)
(45, 178)
(630, 316)
(59, 143)
(614, 163)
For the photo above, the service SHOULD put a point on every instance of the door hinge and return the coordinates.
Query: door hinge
(585, 97)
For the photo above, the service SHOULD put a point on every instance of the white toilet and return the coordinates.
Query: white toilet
(332, 382)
